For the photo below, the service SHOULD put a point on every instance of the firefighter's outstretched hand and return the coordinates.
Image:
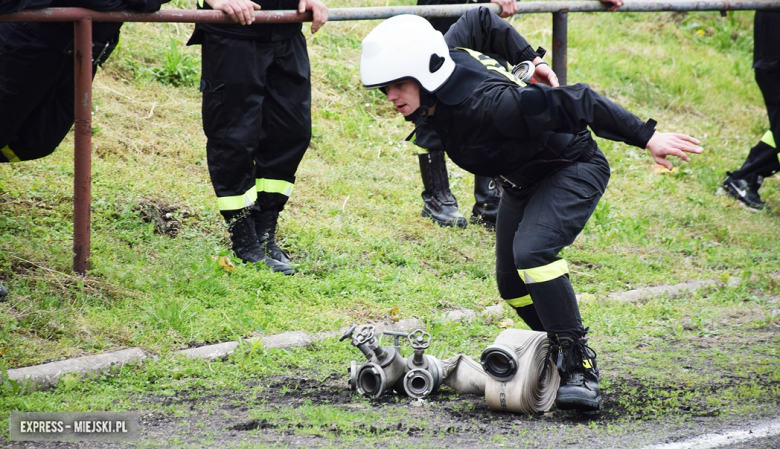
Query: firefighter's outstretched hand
(662, 145)
(508, 7)
(318, 10)
(241, 11)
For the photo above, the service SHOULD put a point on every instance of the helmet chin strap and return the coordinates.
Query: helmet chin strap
(427, 101)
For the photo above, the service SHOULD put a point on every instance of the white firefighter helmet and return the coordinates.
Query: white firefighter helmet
(405, 46)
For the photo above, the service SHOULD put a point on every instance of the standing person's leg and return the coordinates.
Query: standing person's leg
(487, 196)
(557, 210)
(233, 87)
(286, 136)
(510, 286)
(36, 94)
(762, 161)
(439, 204)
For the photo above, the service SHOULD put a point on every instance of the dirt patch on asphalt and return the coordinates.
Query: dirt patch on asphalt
(446, 418)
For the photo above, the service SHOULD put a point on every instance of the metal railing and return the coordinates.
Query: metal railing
(82, 56)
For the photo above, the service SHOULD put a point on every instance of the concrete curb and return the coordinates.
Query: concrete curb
(47, 375)
(671, 290)
(42, 377)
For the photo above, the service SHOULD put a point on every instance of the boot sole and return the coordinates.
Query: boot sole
(459, 222)
(723, 190)
(579, 404)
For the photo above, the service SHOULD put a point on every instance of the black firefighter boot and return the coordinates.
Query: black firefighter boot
(576, 363)
(439, 203)
(241, 228)
(487, 195)
(265, 227)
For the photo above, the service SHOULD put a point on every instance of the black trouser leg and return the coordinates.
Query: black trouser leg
(533, 226)
(257, 118)
(762, 161)
(36, 95)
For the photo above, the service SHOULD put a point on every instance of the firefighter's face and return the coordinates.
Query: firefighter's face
(405, 96)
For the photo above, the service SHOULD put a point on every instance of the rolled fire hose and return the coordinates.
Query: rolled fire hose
(524, 392)
(464, 374)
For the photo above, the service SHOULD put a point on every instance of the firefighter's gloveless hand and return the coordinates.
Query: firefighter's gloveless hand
(662, 145)
(241, 11)
(318, 10)
(508, 7)
(543, 73)
(614, 4)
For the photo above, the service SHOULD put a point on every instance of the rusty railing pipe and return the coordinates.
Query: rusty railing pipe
(560, 44)
(82, 172)
(381, 12)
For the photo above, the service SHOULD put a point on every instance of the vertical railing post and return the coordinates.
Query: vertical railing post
(560, 44)
(82, 173)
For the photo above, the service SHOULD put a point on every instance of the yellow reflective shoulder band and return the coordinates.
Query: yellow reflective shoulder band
(274, 186)
(238, 201)
(520, 302)
(10, 155)
(769, 139)
(200, 3)
(545, 273)
(492, 64)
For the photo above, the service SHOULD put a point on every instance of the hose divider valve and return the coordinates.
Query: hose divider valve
(371, 380)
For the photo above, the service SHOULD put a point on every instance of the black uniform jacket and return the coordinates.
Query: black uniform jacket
(60, 35)
(490, 125)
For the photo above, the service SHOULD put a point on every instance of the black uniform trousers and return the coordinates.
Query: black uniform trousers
(36, 94)
(763, 158)
(256, 116)
(762, 161)
(533, 226)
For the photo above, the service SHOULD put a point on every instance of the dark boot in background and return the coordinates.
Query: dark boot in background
(487, 195)
(576, 363)
(440, 205)
(265, 227)
(3, 293)
(241, 228)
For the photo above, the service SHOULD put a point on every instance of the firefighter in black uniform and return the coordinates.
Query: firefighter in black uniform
(440, 205)
(36, 74)
(764, 158)
(256, 88)
(534, 140)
